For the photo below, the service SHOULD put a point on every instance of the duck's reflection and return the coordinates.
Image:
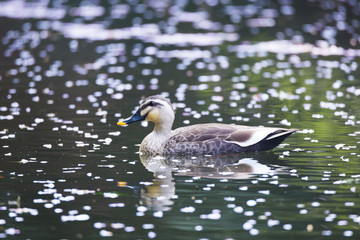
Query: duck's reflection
(159, 195)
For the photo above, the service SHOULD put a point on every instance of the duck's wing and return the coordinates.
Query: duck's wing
(203, 132)
(259, 138)
(216, 138)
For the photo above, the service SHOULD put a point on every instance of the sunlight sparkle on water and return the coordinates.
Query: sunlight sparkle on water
(73, 70)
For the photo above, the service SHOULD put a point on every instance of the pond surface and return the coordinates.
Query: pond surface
(70, 70)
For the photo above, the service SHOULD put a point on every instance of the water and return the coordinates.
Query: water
(70, 71)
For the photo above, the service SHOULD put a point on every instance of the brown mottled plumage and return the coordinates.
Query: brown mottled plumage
(200, 139)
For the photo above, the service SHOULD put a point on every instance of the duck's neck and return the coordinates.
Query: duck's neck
(154, 142)
(163, 128)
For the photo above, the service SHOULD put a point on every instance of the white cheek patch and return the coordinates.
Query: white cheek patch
(145, 111)
(153, 116)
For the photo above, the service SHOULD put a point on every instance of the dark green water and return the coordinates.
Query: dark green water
(69, 71)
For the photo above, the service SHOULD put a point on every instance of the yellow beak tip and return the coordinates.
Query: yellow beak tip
(121, 124)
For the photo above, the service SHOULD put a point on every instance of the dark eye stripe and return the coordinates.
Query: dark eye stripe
(150, 104)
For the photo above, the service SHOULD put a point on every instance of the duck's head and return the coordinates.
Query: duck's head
(155, 109)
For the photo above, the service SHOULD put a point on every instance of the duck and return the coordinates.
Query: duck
(199, 139)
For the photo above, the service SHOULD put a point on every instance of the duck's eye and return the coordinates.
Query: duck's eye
(152, 103)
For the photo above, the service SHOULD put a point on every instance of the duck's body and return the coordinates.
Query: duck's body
(200, 139)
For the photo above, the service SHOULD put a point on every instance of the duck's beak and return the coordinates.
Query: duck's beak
(134, 118)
